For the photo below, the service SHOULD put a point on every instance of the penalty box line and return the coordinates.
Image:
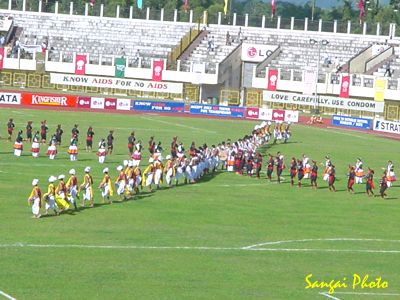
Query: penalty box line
(200, 248)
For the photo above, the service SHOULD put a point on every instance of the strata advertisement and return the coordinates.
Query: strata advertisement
(323, 101)
(386, 126)
(10, 98)
(118, 83)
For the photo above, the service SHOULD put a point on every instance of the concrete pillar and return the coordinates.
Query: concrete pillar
(246, 20)
(306, 24)
(175, 15)
(56, 8)
(102, 10)
(378, 28)
(263, 22)
(320, 25)
(71, 8)
(219, 18)
(365, 28)
(292, 23)
(39, 10)
(10, 5)
(117, 13)
(335, 26)
(86, 9)
(24, 7)
(131, 12)
(234, 19)
(278, 23)
(348, 27)
(205, 17)
(162, 15)
(191, 16)
(148, 13)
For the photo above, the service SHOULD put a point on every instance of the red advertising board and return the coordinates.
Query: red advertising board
(110, 103)
(83, 102)
(278, 115)
(158, 66)
(43, 99)
(272, 79)
(80, 64)
(344, 87)
(252, 112)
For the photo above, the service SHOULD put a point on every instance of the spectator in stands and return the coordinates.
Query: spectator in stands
(136, 57)
(312, 120)
(210, 46)
(327, 60)
(122, 52)
(388, 70)
(228, 39)
(44, 46)
(240, 35)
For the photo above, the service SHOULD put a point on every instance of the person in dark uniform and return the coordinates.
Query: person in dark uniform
(350, 182)
(249, 167)
(29, 131)
(369, 186)
(270, 167)
(75, 132)
(174, 145)
(300, 172)
(131, 143)
(383, 185)
(152, 145)
(314, 175)
(258, 164)
(280, 165)
(10, 128)
(59, 133)
(293, 170)
(43, 131)
(89, 139)
(110, 141)
(332, 178)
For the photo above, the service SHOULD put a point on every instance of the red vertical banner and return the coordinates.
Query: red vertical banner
(344, 87)
(158, 67)
(1, 58)
(272, 79)
(80, 64)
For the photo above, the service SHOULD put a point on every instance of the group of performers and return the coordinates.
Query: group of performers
(242, 156)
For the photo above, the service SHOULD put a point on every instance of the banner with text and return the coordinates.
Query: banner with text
(386, 126)
(10, 98)
(83, 102)
(257, 52)
(118, 83)
(80, 64)
(323, 101)
(278, 115)
(110, 103)
(124, 104)
(49, 99)
(173, 107)
(219, 111)
(351, 122)
(97, 103)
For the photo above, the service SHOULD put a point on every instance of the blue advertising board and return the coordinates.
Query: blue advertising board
(351, 122)
(216, 110)
(160, 106)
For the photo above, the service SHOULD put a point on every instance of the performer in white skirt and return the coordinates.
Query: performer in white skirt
(87, 187)
(35, 199)
(73, 149)
(158, 171)
(52, 149)
(390, 175)
(148, 175)
(35, 144)
(106, 187)
(18, 146)
(102, 152)
(137, 154)
(72, 188)
(358, 168)
(328, 166)
(49, 197)
(120, 183)
(169, 169)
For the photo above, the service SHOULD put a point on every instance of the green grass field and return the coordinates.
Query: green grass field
(218, 239)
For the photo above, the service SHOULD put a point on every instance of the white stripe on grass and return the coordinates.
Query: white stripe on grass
(327, 295)
(7, 295)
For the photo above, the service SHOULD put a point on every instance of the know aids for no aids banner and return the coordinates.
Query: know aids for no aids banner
(118, 83)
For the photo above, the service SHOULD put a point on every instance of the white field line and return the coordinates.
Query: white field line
(324, 240)
(326, 294)
(368, 294)
(132, 247)
(6, 295)
(178, 125)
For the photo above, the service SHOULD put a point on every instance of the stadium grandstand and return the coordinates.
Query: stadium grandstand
(213, 60)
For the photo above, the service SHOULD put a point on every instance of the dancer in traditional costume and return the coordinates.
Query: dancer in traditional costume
(49, 197)
(351, 178)
(120, 183)
(383, 184)
(110, 142)
(10, 128)
(29, 129)
(72, 188)
(35, 199)
(328, 166)
(43, 131)
(369, 186)
(314, 175)
(58, 135)
(52, 149)
(73, 149)
(169, 169)
(61, 194)
(148, 175)
(106, 187)
(131, 143)
(35, 149)
(293, 170)
(270, 167)
(89, 139)
(18, 144)
(158, 171)
(391, 176)
(332, 178)
(102, 152)
(87, 187)
(137, 154)
(358, 168)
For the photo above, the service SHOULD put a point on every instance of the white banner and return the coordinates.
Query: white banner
(268, 114)
(257, 52)
(10, 98)
(123, 104)
(386, 126)
(323, 101)
(118, 83)
(97, 103)
(309, 82)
